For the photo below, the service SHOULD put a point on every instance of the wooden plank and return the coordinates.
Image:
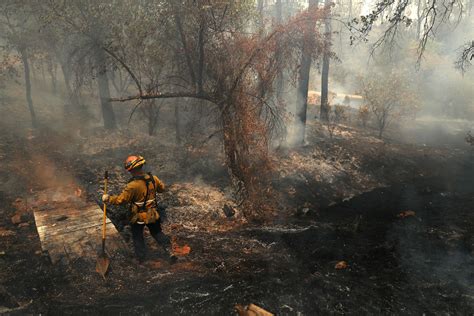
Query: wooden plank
(59, 230)
(74, 230)
(71, 221)
(42, 223)
(55, 214)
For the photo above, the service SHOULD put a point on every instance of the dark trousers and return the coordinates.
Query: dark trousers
(155, 231)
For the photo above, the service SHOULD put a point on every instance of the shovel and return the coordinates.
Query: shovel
(103, 260)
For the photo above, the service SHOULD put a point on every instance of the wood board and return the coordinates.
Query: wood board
(74, 230)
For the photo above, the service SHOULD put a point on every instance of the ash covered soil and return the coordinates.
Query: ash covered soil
(399, 215)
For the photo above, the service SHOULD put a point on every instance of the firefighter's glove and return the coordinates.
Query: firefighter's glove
(105, 198)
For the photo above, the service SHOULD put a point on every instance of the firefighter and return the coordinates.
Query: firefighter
(140, 194)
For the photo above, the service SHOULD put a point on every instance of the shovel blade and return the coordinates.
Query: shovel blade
(102, 265)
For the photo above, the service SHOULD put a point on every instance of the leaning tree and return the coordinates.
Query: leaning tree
(213, 55)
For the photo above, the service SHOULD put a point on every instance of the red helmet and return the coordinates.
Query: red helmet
(134, 162)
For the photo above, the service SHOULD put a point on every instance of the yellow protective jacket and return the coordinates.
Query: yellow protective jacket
(142, 208)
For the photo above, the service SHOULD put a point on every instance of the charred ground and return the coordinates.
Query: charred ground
(340, 201)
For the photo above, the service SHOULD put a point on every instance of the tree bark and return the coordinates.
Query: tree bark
(177, 122)
(186, 51)
(69, 104)
(302, 98)
(324, 110)
(303, 79)
(418, 19)
(26, 67)
(200, 70)
(52, 73)
(260, 14)
(279, 78)
(104, 92)
(42, 71)
(72, 105)
(153, 114)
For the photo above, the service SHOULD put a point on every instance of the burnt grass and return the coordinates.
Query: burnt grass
(421, 264)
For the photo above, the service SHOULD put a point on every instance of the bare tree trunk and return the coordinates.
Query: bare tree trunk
(201, 39)
(33, 70)
(153, 115)
(260, 14)
(72, 104)
(279, 78)
(302, 98)
(104, 92)
(42, 70)
(303, 79)
(324, 116)
(26, 67)
(261, 31)
(418, 19)
(187, 54)
(52, 74)
(177, 122)
(69, 104)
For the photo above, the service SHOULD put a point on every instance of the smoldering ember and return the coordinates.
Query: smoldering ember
(236, 157)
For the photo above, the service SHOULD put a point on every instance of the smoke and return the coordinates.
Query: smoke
(294, 127)
(432, 257)
(295, 131)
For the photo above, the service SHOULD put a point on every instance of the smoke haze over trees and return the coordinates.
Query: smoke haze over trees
(252, 62)
(317, 154)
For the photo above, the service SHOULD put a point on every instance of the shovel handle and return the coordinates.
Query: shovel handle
(106, 177)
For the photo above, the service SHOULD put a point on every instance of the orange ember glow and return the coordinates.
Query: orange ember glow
(181, 251)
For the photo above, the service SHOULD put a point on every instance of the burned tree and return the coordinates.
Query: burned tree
(103, 84)
(303, 75)
(325, 107)
(202, 69)
(17, 21)
(86, 23)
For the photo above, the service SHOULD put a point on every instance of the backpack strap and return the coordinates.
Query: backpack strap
(142, 208)
(152, 179)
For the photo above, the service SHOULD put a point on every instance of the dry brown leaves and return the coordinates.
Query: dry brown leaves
(341, 265)
(181, 251)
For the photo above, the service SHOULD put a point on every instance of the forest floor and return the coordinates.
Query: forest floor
(400, 216)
